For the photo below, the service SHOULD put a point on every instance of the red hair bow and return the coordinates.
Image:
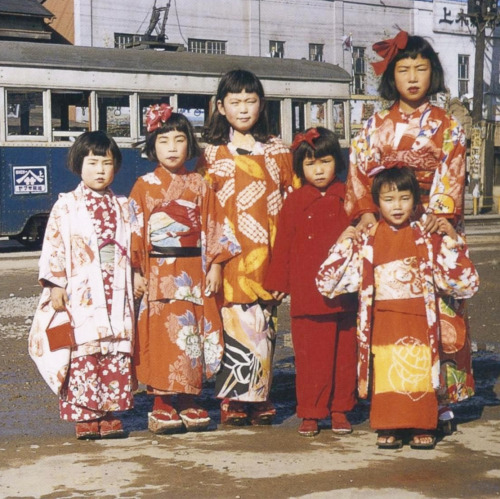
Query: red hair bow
(308, 137)
(388, 49)
(157, 115)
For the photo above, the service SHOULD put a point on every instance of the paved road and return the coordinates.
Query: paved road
(39, 456)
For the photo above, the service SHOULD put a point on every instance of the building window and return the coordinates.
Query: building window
(206, 46)
(463, 74)
(358, 70)
(126, 40)
(276, 49)
(316, 52)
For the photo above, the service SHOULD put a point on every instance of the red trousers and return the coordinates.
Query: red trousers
(325, 364)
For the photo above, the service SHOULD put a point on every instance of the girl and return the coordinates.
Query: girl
(84, 270)
(179, 241)
(250, 172)
(398, 269)
(323, 331)
(415, 132)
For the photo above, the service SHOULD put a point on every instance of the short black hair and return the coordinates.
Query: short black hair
(403, 178)
(416, 46)
(98, 143)
(326, 144)
(177, 122)
(234, 82)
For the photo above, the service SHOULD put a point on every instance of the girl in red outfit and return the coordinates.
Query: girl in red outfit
(323, 330)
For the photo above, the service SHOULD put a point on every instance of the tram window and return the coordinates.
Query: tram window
(274, 117)
(318, 114)
(70, 113)
(338, 119)
(195, 108)
(114, 114)
(144, 103)
(24, 113)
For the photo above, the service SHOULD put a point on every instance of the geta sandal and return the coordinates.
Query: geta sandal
(416, 440)
(396, 442)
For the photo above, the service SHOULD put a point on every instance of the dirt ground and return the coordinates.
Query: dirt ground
(39, 456)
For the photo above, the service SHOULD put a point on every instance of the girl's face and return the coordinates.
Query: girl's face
(241, 110)
(319, 172)
(413, 79)
(98, 172)
(396, 207)
(171, 150)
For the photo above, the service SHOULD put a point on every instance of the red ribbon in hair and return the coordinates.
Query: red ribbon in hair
(157, 115)
(388, 49)
(308, 137)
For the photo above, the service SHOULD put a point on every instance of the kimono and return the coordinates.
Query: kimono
(86, 251)
(178, 231)
(250, 186)
(398, 274)
(323, 329)
(428, 140)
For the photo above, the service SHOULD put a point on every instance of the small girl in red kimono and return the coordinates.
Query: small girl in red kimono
(399, 270)
(250, 171)
(179, 241)
(85, 271)
(323, 330)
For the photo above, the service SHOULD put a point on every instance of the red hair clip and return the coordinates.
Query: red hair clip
(308, 137)
(157, 115)
(388, 49)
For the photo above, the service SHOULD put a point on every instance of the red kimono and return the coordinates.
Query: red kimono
(323, 330)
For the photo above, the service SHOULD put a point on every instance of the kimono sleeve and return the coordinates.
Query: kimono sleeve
(446, 195)
(341, 272)
(138, 243)
(52, 265)
(358, 186)
(454, 273)
(278, 272)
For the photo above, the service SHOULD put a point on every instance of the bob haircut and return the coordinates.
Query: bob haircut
(416, 46)
(327, 144)
(98, 143)
(234, 82)
(179, 123)
(403, 179)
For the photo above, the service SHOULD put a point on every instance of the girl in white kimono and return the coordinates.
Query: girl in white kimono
(85, 274)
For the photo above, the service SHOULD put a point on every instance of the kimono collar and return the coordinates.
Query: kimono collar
(162, 173)
(86, 191)
(415, 114)
(335, 189)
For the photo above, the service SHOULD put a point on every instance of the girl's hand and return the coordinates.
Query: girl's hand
(445, 227)
(214, 279)
(278, 295)
(430, 222)
(364, 224)
(350, 233)
(58, 298)
(140, 284)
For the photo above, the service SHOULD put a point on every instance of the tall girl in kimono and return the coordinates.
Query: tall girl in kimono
(250, 171)
(179, 241)
(323, 330)
(85, 270)
(429, 140)
(399, 268)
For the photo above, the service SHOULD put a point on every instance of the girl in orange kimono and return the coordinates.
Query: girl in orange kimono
(250, 171)
(429, 140)
(179, 241)
(399, 269)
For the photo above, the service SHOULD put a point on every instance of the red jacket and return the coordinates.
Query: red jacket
(309, 225)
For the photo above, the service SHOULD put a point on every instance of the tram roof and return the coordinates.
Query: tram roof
(26, 54)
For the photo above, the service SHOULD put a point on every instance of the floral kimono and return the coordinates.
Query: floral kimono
(178, 231)
(86, 251)
(250, 186)
(429, 140)
(398, 274)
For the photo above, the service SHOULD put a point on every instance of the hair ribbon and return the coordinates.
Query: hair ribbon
(157, 115)
(388, 49)
(308, 137)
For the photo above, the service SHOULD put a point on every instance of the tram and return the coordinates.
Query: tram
(49, 94)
